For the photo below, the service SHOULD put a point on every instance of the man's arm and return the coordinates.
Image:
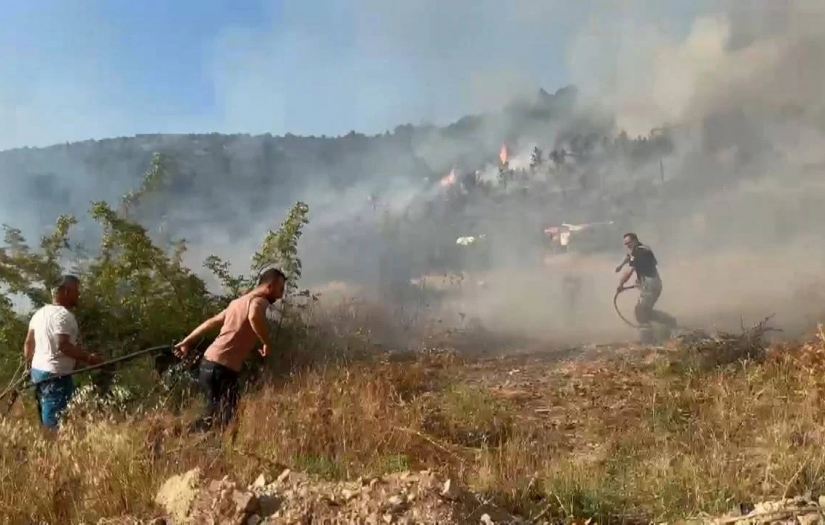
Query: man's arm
(213, 322)
(624, 262)
(625, 277)
(28, 348)
(65, 328)
(182, 348)
(257, 318)
(67, 348)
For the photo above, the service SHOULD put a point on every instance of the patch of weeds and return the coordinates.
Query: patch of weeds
(394, 463)
(410, 382)
(570, 497)
(469, 417)
(525, 498)
(320, 466)
(671, 412)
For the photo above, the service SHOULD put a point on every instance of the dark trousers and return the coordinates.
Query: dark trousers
(222, 391)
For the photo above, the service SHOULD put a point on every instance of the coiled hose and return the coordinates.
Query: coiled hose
(616, 305)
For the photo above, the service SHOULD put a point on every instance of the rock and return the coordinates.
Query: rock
(268, 504)
(397, 504)
(450, 491)
(401, 499)
(178, 493)
(810, 519)
(487, 520)
(245, 502)
(224, 502)
(763, 507)
(260, 482)
(801, 510)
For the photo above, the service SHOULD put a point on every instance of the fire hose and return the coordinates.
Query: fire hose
(23, 382)
(616, 305)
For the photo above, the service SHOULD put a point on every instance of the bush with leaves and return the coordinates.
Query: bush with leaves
(136, 293)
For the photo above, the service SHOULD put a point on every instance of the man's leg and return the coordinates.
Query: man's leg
(53, 397)
(229, 395)
(663, 318)
(208, 384)
(651, 291)
(649, 294)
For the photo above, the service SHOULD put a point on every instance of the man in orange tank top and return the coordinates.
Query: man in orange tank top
(242, 324)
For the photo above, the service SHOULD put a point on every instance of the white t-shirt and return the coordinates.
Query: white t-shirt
(48, 322)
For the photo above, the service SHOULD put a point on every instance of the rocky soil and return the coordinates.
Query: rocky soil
(295, 498)
(803, 510)
(403, 498)
(536, 385)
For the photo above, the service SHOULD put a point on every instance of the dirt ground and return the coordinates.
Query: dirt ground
(724, 291)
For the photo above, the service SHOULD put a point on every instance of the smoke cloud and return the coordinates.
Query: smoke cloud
(736, 225)
(732, 211)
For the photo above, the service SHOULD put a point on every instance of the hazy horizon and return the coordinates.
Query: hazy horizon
(96, 69)
(743, 82)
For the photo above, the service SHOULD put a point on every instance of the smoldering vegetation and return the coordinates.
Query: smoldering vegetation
(708, 145)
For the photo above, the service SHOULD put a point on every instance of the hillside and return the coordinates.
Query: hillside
(224, 190)
(367, 409)
(266, 171)
(617, 434)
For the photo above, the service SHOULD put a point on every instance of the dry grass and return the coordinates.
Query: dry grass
(621, 440)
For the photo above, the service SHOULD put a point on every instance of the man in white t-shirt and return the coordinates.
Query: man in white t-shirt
(51, 350)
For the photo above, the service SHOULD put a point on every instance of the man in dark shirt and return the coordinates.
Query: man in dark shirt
(643, 263)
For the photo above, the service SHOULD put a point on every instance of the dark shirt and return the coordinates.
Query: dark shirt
(644, 262)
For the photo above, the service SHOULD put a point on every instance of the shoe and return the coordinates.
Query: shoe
(200, 426)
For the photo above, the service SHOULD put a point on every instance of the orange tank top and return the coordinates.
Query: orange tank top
(236, 338)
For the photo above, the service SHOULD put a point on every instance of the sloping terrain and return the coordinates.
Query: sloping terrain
(614, 433)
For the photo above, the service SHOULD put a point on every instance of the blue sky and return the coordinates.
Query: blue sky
(78, 69)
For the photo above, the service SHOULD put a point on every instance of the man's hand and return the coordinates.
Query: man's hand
(181, 349)
(264, 350)
(93, 359)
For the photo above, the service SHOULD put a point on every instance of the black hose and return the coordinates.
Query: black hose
(18, 386)
(616, 306)
(13, 390)
(15, 380)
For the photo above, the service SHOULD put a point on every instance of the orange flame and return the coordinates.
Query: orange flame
(449, 179)
(502, 155)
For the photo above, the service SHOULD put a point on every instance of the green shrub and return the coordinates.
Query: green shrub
(136, 290)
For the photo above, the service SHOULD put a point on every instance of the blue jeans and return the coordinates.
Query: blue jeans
(52, 397)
